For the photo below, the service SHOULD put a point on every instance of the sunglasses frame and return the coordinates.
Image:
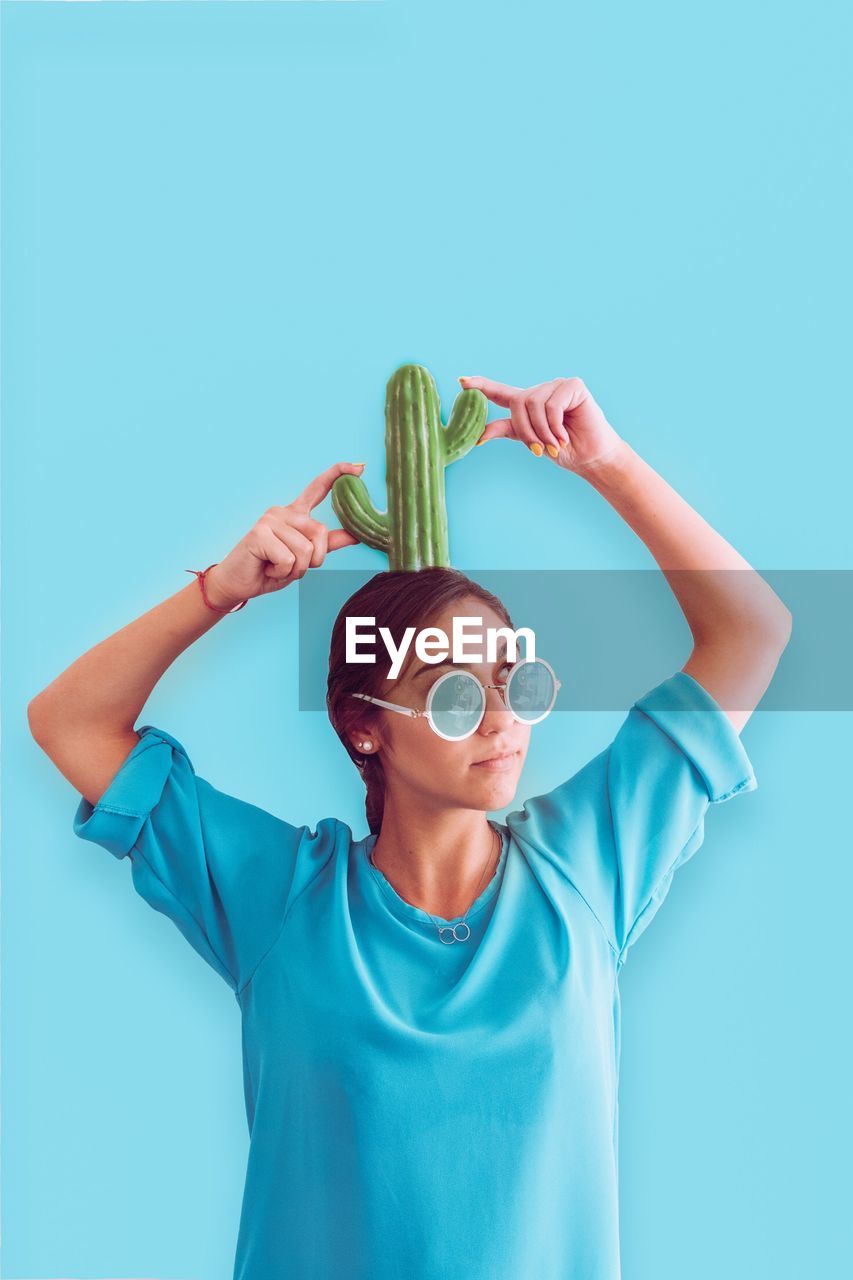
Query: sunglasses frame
(427, 712)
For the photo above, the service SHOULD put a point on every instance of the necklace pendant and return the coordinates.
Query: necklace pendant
(447, 933)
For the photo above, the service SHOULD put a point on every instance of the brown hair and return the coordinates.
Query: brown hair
(397, 599)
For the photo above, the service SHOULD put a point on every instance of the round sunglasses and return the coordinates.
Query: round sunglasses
(456, 702)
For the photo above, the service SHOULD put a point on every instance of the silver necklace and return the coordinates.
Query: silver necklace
(447, 932)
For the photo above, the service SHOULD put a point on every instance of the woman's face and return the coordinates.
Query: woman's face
(415, 756)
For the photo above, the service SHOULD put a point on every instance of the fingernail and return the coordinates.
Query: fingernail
(479, 442)
(358, 464)
(552, 450)
(466, 377)
(536, 448)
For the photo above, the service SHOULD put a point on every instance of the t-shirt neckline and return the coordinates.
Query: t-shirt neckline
(407, 910)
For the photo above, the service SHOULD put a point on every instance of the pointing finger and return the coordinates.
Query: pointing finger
(318, 488)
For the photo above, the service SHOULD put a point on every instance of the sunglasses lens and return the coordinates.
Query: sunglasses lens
(531, 691)
(457, 705)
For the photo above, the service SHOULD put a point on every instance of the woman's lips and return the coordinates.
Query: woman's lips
(501, 763)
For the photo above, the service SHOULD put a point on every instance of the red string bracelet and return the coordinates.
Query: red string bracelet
(200, 573)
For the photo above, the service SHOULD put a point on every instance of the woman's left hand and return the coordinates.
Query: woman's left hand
(558, 419)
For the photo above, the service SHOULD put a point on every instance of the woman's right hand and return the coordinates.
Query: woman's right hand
(281, 546)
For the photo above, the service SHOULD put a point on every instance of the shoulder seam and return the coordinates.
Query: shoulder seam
(287, 910)
(571, 882)
(136, 849)
(655, 893)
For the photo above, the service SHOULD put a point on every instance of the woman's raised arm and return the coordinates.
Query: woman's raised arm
(83, 720)
(740, 626)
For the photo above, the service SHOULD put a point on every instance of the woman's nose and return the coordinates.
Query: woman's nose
(496, 702)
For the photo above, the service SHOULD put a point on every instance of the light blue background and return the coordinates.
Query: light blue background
(224, 227)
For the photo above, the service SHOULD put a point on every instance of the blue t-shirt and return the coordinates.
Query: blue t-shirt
(419, 1109)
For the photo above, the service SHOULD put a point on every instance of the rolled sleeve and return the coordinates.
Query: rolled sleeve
(221, 869)
(116, 821)
(620, 827)
(700, 728)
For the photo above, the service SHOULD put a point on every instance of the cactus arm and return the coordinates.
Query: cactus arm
(466, 423)
(351, 504)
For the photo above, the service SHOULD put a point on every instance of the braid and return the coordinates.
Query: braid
(374, 779)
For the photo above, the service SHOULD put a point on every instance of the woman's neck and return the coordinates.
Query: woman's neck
(441, 868)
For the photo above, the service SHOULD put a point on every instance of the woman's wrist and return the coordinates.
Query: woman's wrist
(607, 469)
(214, 593)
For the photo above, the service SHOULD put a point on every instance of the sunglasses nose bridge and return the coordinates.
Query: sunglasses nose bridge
(502, 697)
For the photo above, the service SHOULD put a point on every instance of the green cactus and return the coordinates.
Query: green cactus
(413, 530)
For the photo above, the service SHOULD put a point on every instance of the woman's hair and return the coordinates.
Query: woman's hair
(397, 599)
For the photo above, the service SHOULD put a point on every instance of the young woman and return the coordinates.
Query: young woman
(431, 1012)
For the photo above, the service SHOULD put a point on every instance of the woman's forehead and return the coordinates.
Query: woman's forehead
(470, 610)
(475, 642)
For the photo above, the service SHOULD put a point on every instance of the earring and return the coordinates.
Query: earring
(366, 746)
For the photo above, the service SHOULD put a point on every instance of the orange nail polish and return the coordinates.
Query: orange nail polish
(552, 450)
(536, 448)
